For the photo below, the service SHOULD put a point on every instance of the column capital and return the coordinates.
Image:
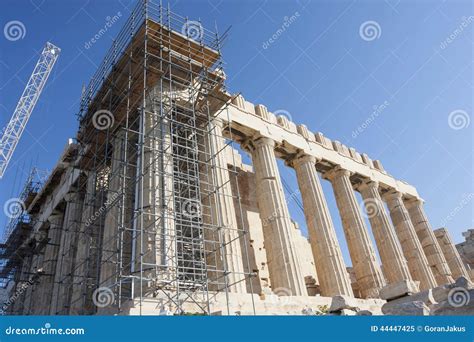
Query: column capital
(440, 232)
(336, 172)
(367, 184)
(54, 217)
(260, 140)
(413, 201)
(251, 143)
(392, 194)
(71, 195)
(219, 122)
(300, 158)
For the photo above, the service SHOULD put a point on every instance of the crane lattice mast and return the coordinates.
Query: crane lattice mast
(26, 104)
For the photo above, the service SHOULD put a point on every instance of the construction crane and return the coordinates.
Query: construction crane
(26, 104)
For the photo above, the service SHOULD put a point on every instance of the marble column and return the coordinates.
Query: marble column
(34, 271)
(366, 268)
(283, 263)
(223, 209)
(154, 226)
(330, 268)
(81, 294)
(451, 253)
(63, 279)
(25, 282)
(113, 217)
(428, 241)
(417, 262)
(395, 265)
(45, 293)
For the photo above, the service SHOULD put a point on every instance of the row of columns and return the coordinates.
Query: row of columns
(407, 246)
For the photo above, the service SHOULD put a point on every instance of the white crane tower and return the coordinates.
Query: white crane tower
(26, 104)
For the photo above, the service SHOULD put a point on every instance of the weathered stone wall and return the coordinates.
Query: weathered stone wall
(466, 251)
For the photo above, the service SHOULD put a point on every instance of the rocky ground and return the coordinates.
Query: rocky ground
(452, 299)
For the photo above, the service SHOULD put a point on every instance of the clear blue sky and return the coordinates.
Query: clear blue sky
(320, 70)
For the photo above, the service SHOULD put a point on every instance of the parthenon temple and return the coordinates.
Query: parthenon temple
(152, 210)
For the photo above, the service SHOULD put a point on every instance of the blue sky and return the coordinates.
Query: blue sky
(323, 70)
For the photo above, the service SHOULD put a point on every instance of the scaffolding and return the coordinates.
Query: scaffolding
(144, 222)
(19, 242)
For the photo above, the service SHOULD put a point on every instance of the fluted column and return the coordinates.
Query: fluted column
(81, 295)
(451, 253)
(155, 230)
(330, 268)
(428, 241)
(282, 258)
(49, 263)
(114, 220)
(26, 282)
(34, 270)
(63, 280)
(367, 271)
(394, 263)
(417, 262)
(223, 209)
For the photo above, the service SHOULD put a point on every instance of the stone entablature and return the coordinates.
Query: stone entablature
(255, 120)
